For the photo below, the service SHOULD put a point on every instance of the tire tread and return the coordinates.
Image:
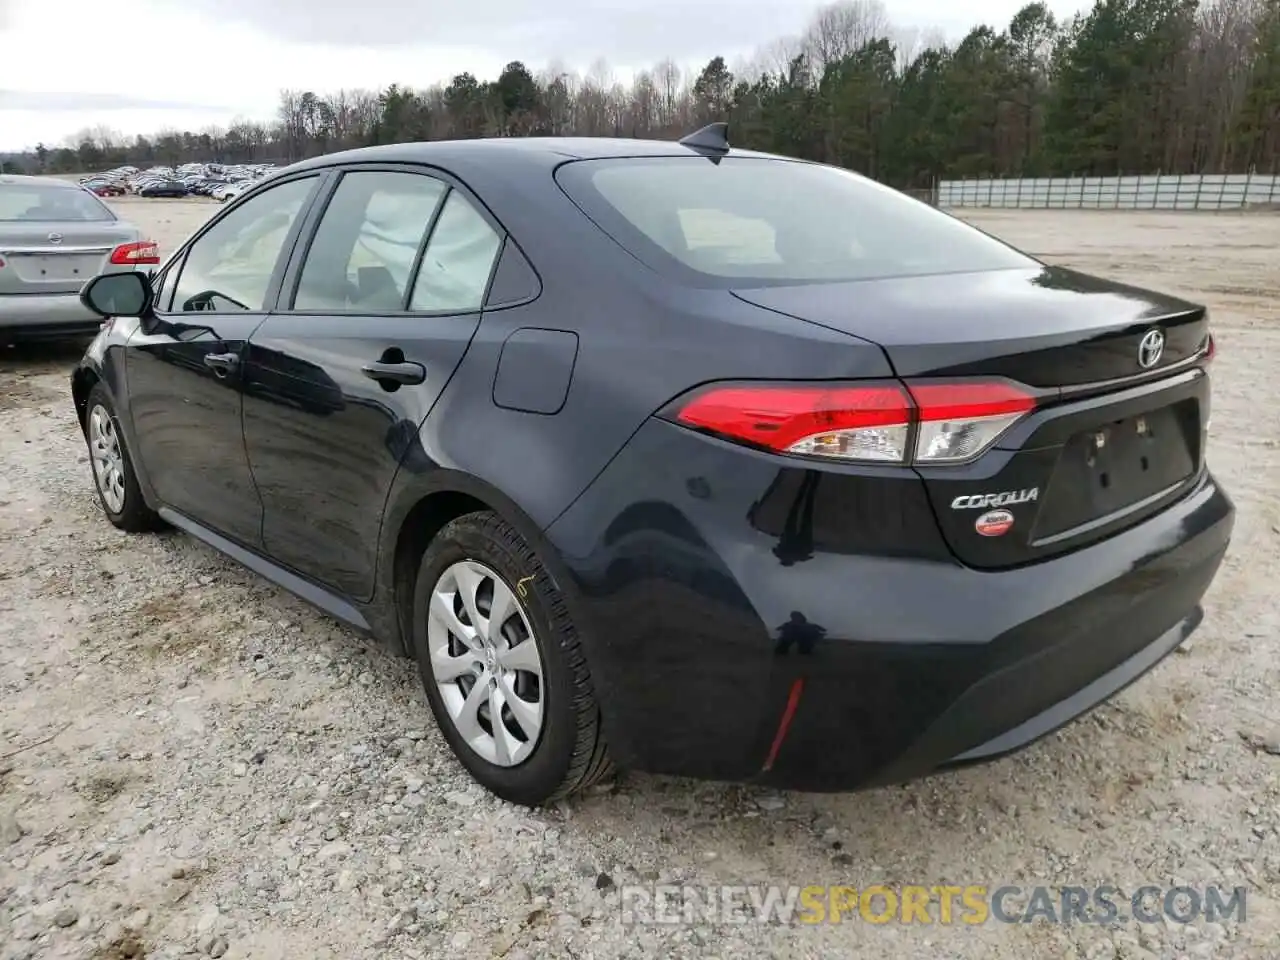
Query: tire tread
(589, 761)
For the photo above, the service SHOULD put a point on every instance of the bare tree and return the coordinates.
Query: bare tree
(840, 28)
(666, 79)
(777, 55)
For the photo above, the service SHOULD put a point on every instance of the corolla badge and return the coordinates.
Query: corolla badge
(994, 523)
(985, 501)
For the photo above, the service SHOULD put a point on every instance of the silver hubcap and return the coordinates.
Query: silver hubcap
(108, 464)
(485, 662)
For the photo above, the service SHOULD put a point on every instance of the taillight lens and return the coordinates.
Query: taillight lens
(918, 422)
(960, 420)
(1210, 347)
(135, 254)
(847, 422)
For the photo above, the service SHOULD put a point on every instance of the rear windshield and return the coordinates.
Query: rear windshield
(38, 201)
(758, 221)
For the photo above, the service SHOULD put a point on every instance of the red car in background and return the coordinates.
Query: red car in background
(104, 188)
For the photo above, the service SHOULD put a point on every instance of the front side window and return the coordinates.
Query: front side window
(229, 267)
(747, 220)
(458, 261)
(362, 256)
(35, 202)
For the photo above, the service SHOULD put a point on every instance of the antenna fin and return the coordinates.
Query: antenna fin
(713, 138)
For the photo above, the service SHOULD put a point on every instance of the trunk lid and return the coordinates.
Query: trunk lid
(1118, 433)
(1047, 327)
(43, 257)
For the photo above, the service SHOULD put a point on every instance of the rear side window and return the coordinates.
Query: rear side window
(36, 202)
(362, 256)
(458, 261)
(752, 221)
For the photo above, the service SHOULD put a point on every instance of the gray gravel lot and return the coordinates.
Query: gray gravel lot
(194, 763)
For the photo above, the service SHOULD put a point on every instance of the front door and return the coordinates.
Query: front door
(184, 364)
(372, 322)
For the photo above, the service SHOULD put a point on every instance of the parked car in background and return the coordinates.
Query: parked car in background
(205, 186)
(54, 236)
(193, 176)
(164, 188)
(704, 461)
(103, 188)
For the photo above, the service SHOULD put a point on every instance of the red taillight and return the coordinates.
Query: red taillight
(960, 420)
(922, 422)
(1210, 347)
(133, 254)
(807, 419)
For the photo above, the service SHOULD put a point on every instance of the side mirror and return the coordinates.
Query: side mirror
(118, 294)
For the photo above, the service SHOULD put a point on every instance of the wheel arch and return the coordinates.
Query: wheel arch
(418, 510)
(82, 384)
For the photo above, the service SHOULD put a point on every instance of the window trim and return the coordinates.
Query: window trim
(171, 268)
(293, 274)
(179, 259)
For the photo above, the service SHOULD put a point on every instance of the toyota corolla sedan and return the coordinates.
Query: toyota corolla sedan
(54, 236)
(672, 456)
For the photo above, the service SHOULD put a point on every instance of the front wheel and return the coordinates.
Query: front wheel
(113, 474)
(502, 664)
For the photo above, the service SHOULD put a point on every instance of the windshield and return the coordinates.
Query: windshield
(42, 202)
(747, 221)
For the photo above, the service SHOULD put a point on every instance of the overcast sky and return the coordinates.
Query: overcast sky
(147, 65)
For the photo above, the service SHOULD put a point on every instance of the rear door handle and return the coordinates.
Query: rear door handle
(405, 372)
(222, 364)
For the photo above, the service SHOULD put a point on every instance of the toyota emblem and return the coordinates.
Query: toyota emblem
(1150, 349)
(55, 238)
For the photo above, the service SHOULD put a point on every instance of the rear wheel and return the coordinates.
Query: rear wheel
(503, 669)
(113, 474)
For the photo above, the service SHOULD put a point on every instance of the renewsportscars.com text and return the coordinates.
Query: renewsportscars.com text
(972, 904)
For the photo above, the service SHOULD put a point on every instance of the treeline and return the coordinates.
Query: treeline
(1132, 86)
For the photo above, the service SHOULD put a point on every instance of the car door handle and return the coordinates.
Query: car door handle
(405, 372)
(222, 364)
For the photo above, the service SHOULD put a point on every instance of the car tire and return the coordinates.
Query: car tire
(476, 560)
(113, 475)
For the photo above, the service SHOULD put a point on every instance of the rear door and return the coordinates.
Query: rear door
(184, 364)
(54, 238)
(375, 315)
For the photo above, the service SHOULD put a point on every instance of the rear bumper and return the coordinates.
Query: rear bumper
(30, 316)
(702, 627)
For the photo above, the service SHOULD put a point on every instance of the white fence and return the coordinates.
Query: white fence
(1154, 192)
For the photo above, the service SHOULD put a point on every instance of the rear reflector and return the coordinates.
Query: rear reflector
(134, 254)
(951, 421)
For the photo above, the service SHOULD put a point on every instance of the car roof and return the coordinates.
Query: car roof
(21, 179)
(510, 151)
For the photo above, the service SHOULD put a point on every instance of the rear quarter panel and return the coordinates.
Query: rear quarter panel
(640, 342)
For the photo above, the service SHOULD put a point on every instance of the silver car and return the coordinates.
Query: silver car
(54, 236)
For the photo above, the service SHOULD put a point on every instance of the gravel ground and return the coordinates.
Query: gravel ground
(194, 763)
